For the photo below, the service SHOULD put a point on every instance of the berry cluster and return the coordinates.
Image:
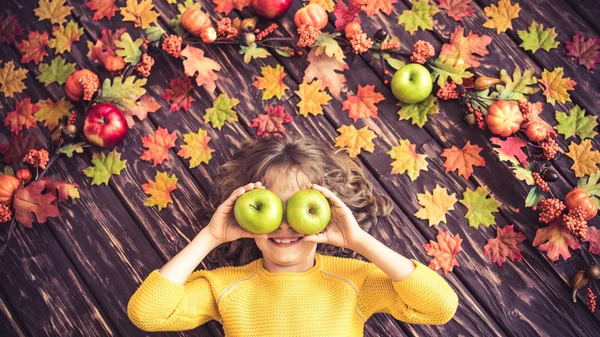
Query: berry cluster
(550, 209)
(448, 91)
(5, 214)
(146, 44)
(308, 35)
(478, 115)
(37, 158)
(541, 182)
(262, 34)
(145, 65)
(390, 45)
(72, 118)
(526, 110)
(575, 222)
(90, 86)
(421, 51)
(138, 18)
(360, 42)
(226, 29)
(550, 147)
(172, 45)
(591, 302)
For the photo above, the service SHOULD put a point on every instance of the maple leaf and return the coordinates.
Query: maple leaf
(196, 62)
(407, 160)
(500, 16)
(226, 6)
(511, 150)
(102, 8)
(129, 49)
(524, 174)
(576, 123)
(555, 240)
(420, 16)
(355, 140)
(105, 166)
(271, 82)
(159, 191)
(585, 160)
(537, 37)
(363, 103)
(326, 4)
(504, 245)
(69, 149)
(54, 10)
(179, 94)
(593, 237)
(556, 86)
(253, 52)
(11, 80)
(463, 159)
(33, 49)
(64, 36)
(51, 113)
(158, 145)
(141, 109)
(324, 68)
(105, 46)
(9, 29)
(457, 9)
(196, 148)
(591, 185)
(311, 98)
(462, 47)
(17, 147)
(144, 9)
(222, 111)
(272, 122)
(443, 68)
(372, 7)
(419, 112)
(30, 200)
(57, 71)
(62, 189)
(435, 205)
(444, 251)
(346, 14)
(586, 51)
(124, 93)
(518, 86)
(22, 116)
(480, 207)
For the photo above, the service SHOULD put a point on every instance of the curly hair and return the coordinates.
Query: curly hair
(323, 165)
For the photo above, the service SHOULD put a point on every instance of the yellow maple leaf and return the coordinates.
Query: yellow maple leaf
(435, 205)
(159, 191)
(64, 36)
(585, 160)
(500, 16)
(271, 82)
(556, 86)
(355, 140)
(54, 10)
(407, 160)
(311, 98)
(52, 112)
(145, 10)
(196, 147)
(327, 4)
(11, 80)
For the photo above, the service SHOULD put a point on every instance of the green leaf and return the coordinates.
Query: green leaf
(537, 37)
(8, 170)
(154, 33)
(418, 112)
(420, 16)
(484, 101)
(326, 43)
(576, 123)
(253, 52)
(395, 63)
(57, 71)
(105, 166)
(176, 21)
(518, 86)
(130, 50)
(480, 207)
(590, 184)
(69, 149)
(524, 174)
(122, 93)
(442, 69)
(222, 111)
(533, 197)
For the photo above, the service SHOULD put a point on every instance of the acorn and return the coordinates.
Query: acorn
(470, 118)
(550, 175)
(593, 272)
(154, 47)
(578, 281)
(71, 130)
(484, 83)
(248, 39)
(380, 35)
(248, 24)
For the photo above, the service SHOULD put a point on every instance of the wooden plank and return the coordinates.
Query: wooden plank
(589, 10)
(9, 324)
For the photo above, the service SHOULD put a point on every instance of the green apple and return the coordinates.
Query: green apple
(308, 211)
(259, 211)
(412, 83)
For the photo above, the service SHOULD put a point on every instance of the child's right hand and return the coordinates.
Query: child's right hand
(223, 227)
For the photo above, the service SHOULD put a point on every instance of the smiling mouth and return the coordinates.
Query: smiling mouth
(286, 242)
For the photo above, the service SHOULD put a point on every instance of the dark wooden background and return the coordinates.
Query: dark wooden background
(74, 276)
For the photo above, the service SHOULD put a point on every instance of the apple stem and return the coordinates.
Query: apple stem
(255, 207)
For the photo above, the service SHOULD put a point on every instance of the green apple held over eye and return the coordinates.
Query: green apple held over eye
(412, 83)
(258, 211)
(308, 211)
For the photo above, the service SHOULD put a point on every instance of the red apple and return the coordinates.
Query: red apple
(270, 9)
(105, 125)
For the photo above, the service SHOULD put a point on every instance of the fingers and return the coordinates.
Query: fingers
(328, 194)
(240, 191)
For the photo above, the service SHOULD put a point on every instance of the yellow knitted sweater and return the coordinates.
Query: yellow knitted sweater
(333, 298)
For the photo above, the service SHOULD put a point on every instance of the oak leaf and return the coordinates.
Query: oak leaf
(253, 52)
(420, 16)
(444, 251)
(105, 46)
(462, 48)
(141, 109)
(123, 92)
(500, 16)
(435, 205)
(517, 86)
(71, 148)
(325, 68)
(311, 98)
(443, 68)
(129, 49)
(144, 9)
(54, 10)
(407, 160)
(102, 8)
(11, 80)
(222, 111)
(511, 150)
(30, 200)
(57, 71)
(576, 123)
(271, 82)
(160, 189)
(463, 159)
(52, 112)
(418, 113)
(105, 166)
(179, 94)
(62, 189)
(64, 36)
(196, 148)
(158, 145)
(33, 49)
(355, 140)
(326, 43)
(537, 37)
(504, 246)
(555, 240)
(480, 205)
(585, 159)
(363, 103)
(457, 9)
(556, 86)
(226, 6)
(23, 116)
(272, 122)
(195, 62)
(587, 51)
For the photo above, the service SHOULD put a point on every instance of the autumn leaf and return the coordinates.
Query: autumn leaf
(11, 80)
(141, 109)
(159, 191)
(158, 145)
(57, 71)
(500, 17)
(129, 49)
(443, 68)
(537, 37)
(463, 159)
(9, 29)
(105, 46)
(355, 140)
(372, 7)
(323, 68)
(51, 113)
(54, 10)
(407, 160)
(511, 150)
(179, 94)
(311, 98)
(576, 123)
(196, 148)
(22, 117)
(420, 16)
(444, 251)
(435, 205)
(585, 159)
(253, 52)
(124, 93)
(363, 103)
(504, 245)
(556, 86)
(195, 62)
(518, 86)
(271, 82)
(555, 240)
(591, 185)
(30, 200)
(327, 44)
(33, 49)
(64, 36)
(62, 189)
(461, 48)
(272, 122)
(105, 166)
(69, 149)
(326, 4)
(102, 8)
(226, 6)
(523, 174)
(457, 9)
(346, 14)
(480, 207)
(222, 111)
(593, 237)
(17, 147)
(418, 113)
(586, 51)
(144, 9)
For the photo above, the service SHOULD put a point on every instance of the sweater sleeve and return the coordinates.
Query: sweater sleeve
(160, 304)
(423, 297)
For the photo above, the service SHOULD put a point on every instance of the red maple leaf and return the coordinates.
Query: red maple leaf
(587, 51)
(557, 240)
(457, 9)
(63, 189)
(105, 45)
(272, 122)
(33, 49)
(226, 6)
(462, 48)
(179, 94)
(593, 237)
(444, 251)
(463, 159)
(158, 145)
(103, 8)
(22, 116)
(9, 29)
(346, 14)
(30, 200)
(18, 146)
(363, 103)
(511, 148)
(504, 245)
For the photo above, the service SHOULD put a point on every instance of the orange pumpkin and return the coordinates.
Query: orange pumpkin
(580, 197)
(8, 186)
(504, 118)
(195, 21)
(351, 29)
(313, 13)
(114, 63)
(536, 131)
(73, 87)
(24, 175)
(209, 35)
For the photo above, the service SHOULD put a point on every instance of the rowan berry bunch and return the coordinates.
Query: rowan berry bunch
(550, 148)
(421, 51)
(226, 29)
(172, 45)
(145, 65)
(390, 45)
(308, 35)
(37, 158)
(575, 222)
(90, 86)
(591, 302)
(526, 110)
(5, 214)
(550, 209)
(262, 34)
(360, 42)
(448, 91)
(72, 118)
(543, 185)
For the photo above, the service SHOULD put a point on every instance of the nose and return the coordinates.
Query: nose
(284, 225)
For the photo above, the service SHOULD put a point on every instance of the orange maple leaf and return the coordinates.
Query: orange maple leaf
(444, 251)
(504, 246)
(463, 159)
(555, 240)
(373, 6)
(556, 86)
(355, 140)
(158, 145)
(22, 116)
(141, 12)
(196, 148)
(363, 103)
(205, 67)
(33, 48)
(160, 190)
(457, 9)
(462, 47)
(226, 6)
(146, 104)
(102, 8)
(271, 82)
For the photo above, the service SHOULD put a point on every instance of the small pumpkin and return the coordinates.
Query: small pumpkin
(313, 13)
(24, 175)
(208, 35)
(8, 186)
(536, 132)
(73, 87)
(580, 197)
(114, 63)
(351, 29)
(504, 118)
(195, 21)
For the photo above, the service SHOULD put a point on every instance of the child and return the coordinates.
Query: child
(298, 289)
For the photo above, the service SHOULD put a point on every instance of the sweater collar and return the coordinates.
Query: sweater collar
(313, 270)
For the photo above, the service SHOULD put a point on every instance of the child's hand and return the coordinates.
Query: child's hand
(343, 229)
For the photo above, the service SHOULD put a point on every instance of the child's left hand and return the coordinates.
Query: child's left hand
(343, 229)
